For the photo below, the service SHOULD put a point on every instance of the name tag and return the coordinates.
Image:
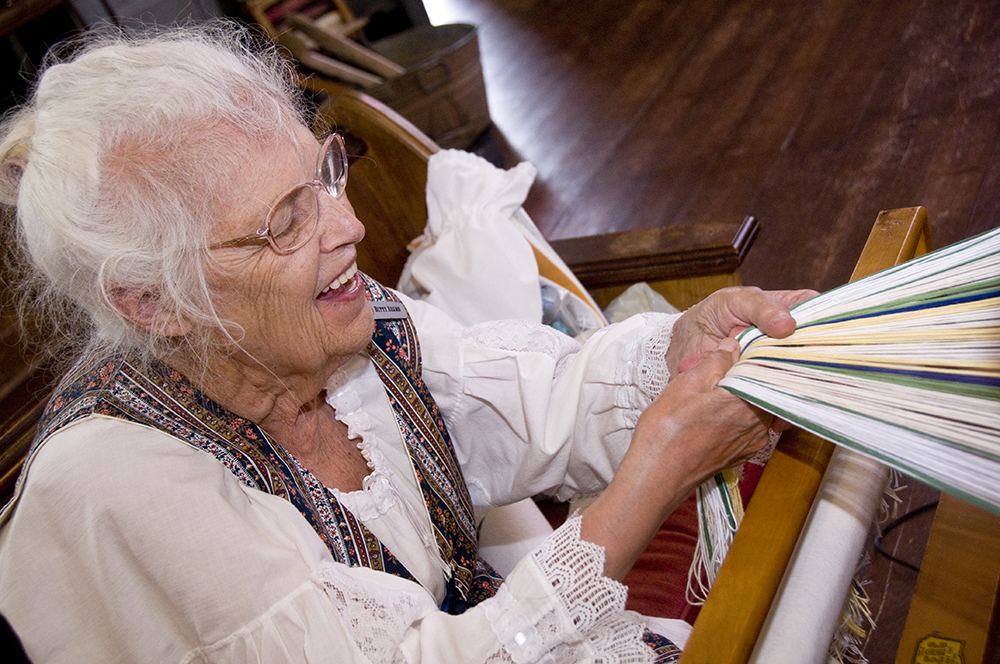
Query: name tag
(389, 310)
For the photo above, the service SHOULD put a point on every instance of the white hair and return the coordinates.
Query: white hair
(117, 167)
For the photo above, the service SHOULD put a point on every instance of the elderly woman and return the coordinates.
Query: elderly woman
(246, 464)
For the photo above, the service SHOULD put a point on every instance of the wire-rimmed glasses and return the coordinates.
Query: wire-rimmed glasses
(292, 220)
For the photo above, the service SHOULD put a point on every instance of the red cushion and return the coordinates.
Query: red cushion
(657, 581)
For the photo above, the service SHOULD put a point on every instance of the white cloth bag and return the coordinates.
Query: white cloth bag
(472, 260)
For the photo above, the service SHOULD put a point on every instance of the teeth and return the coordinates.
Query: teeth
(342, 279)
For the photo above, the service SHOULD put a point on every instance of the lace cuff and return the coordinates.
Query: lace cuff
(586, 620)
(644, 373)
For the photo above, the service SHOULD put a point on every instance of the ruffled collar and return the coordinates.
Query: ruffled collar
(378, 494)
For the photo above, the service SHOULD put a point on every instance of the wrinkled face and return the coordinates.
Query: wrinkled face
(305, 313)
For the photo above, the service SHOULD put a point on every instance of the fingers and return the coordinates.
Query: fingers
(705, 371)
(712, 365)
(727, 313)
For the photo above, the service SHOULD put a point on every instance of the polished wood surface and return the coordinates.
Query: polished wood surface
(897, 236)
(16, 13)
(652, 254)
(683, 262)
(956, 595)
(811, 116)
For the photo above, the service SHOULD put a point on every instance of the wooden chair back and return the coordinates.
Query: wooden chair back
(25, 385)
(388, 157)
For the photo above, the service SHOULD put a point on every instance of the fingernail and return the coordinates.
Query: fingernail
(729, 345)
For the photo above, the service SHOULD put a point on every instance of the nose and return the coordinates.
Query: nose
(338, 225)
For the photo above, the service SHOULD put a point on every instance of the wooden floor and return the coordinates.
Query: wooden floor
(811, 116)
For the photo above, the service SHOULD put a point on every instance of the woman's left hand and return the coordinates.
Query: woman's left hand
(692, 430)
(727, 312)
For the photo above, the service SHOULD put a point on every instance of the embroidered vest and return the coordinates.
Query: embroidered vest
(162, 398)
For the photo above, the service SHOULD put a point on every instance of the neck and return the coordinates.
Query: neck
(280, 405)
(292, 410)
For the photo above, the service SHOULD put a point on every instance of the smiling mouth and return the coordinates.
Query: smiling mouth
(344, 281)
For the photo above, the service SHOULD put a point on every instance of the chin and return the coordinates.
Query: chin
(355, 336)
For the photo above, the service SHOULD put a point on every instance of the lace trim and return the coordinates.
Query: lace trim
(652, 372)
(522, 337)
(376, 618)
(643, 373)
(588, 621)
(761, 457)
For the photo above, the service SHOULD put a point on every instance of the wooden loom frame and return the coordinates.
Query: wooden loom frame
(730, 623)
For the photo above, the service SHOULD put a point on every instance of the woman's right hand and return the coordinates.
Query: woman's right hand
(690, 432)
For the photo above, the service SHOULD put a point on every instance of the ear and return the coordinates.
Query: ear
(11, 170)
(144, 310)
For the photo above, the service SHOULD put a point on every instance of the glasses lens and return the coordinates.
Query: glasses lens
(333, 166)
(293, 219)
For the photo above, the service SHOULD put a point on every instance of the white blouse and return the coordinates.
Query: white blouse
(128, 545)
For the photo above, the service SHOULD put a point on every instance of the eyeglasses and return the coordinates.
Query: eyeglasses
(292, 220)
